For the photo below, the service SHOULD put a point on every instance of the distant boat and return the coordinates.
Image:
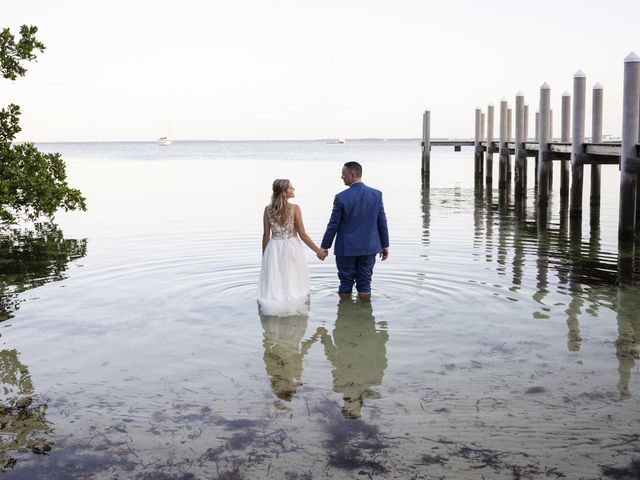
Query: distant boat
(164, 141)
(338, 141)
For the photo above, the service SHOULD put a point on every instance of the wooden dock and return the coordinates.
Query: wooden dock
(572, 151)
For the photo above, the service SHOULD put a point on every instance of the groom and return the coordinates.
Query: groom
(359, 221)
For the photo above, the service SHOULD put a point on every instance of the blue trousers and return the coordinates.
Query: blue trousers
(356, 270)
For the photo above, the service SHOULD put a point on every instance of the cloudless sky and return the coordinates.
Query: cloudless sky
(285, 69)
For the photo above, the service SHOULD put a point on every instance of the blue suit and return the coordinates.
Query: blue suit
(359, 224)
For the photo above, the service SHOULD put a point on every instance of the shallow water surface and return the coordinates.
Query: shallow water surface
(500, 342)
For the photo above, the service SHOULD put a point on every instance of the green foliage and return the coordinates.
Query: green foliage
(32, 183)
(9, 123)
(12, 53)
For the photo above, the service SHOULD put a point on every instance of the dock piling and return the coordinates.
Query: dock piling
(565, 135)
(577, 141)
(426, 146)
(629, 150)
(537, 140)
(489, 165)
(503, 151)
(520, 153)
(509, 139)
(477, 170)
(596, 137)
(551, 141)
(544, 152)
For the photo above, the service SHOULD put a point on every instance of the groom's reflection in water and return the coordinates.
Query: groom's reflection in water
(284, 351)
(357, 351)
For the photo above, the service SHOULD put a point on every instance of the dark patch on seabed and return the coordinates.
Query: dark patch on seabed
(630, 472)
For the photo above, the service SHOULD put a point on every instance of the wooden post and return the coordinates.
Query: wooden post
(503, 153)
(477, 169)
(509, 139)
(596, 137)
(550, 141)
(537, 140)
(520, 154)
(489, 166)
(526, 138)
(426, 146)
(564, 137)
(628, 151)
(577, 141)
(544, 157)
(482, 139)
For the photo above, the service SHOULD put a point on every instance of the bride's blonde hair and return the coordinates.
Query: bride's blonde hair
(278, 205)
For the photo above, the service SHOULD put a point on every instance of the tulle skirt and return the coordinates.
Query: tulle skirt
(284, 279)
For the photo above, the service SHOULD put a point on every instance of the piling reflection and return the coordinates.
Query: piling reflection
(32, 258)
(628, 342)
(588, 275)
(426, 214)
(284, 351)
(357, 351)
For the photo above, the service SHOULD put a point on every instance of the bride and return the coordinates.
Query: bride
(284, 277)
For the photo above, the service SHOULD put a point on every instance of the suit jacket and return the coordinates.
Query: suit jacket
(359, 221)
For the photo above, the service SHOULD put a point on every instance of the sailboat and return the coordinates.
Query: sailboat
(166, 141)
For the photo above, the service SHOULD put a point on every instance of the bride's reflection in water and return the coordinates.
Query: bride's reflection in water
(284, 351)
(357, 351)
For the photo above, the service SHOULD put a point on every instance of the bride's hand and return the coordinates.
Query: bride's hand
(322, 253)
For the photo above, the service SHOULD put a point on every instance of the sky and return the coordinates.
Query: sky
(129, 70)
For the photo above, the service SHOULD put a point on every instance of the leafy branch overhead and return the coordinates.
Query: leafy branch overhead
(12, 53)
(32, 184)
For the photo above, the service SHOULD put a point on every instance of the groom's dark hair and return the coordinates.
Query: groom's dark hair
(354, 167)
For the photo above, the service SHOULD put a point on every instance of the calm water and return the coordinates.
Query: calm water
(494, 347)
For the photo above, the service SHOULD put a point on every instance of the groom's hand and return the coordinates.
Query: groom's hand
(322, 254)
(384, 254)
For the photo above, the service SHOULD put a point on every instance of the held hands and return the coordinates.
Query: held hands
(384, 254)
(322, 253)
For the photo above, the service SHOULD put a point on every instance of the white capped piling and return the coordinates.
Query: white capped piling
(565, 135)
(426, 144)
(477, 170)
(526, 122)
(596, 137)
(577, 141)
(482, 120)
(489, 164)
(509, 139)
(629, 150)
(503, 151)
(520, 153)
(544, 157)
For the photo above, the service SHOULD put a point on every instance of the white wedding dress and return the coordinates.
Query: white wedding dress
(284, 276)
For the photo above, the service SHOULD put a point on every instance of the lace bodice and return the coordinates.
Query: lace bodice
(287, 229)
